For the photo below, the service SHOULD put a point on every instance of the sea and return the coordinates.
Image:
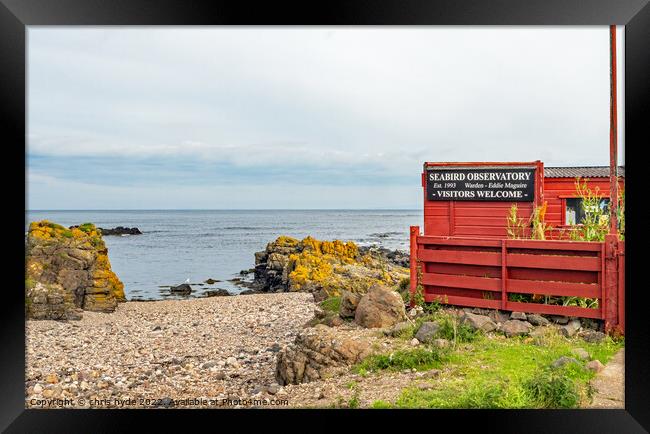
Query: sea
(195, 245)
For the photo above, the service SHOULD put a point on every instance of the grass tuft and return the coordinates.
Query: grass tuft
(331, 304)
(379, 404)
(419, 359)
(553, 388)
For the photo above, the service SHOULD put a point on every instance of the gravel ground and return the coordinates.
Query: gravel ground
(353, 390)
(210, 352)
(217, 352)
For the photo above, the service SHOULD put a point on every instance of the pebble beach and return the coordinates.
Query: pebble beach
(217, 351)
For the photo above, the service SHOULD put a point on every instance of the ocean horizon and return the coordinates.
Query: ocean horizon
(201, 244)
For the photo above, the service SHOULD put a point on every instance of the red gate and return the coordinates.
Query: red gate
(478, 272)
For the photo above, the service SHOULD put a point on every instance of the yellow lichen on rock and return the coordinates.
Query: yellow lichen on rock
(344, 251)
(326, 267)
(284, 241)
(309, 266)
(73, 261)
(117, 287)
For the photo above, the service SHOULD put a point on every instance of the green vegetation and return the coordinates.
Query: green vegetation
(331, 304)
(420, 359)
(450, 327)
(404, 289)
(620, 214)
(554, 388)
(53, 225)
(353, 402)
(433, 306)
(515, 225)
(595, 224)
(408, 332)
(418, 297)
(593, 227)
(87, 227)
(537, 224)
(29, 283)
(95, 241)
(381, 404)
(453, 331)
(591, 303)
(496, 372)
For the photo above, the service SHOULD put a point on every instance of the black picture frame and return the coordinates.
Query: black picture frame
(15, 15)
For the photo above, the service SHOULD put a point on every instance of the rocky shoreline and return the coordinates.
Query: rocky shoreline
(68, 272)
(326, 268)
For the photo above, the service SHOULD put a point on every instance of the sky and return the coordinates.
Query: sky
(302, 117)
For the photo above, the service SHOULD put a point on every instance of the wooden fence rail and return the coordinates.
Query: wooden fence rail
(477, 272)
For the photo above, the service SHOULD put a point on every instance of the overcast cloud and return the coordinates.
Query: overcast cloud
(323, 117)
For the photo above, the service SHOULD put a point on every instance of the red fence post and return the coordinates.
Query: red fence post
(413, 262)
(610, 282)
(621, 286)
(504, 275)
(601, 283)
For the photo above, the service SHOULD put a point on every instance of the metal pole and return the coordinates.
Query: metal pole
(613, 133)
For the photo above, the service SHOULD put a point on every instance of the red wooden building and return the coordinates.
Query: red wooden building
(484, 218)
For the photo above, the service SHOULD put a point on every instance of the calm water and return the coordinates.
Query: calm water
(177, 245)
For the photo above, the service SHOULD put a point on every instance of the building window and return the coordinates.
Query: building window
(575, 212)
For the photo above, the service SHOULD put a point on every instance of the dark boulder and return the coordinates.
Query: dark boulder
(120, 230)
(592, 336)
(395, 257)
(217, 293)
(515, 327)
(427, 332)
(559, 319)
(564, 360)
(571, 328)
(478, 322)
(518, 316)
(349, 303)
(537, 320)
(182, 289)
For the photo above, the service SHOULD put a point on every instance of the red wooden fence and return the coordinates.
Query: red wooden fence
(479, 272)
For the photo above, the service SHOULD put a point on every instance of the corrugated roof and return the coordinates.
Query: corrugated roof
(584, 172)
